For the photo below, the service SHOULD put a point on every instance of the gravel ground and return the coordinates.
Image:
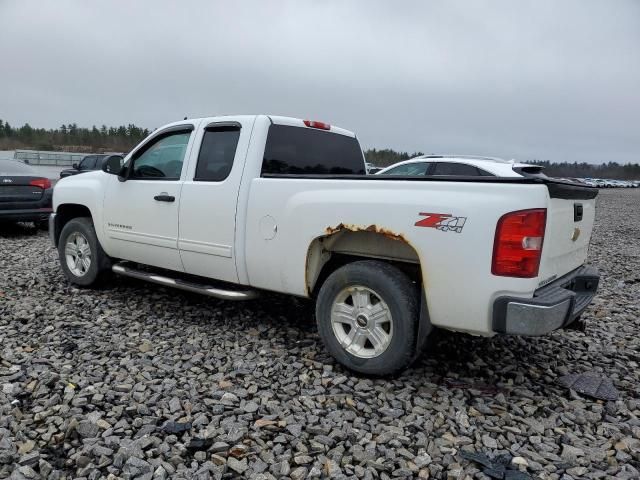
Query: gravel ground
(137, 381)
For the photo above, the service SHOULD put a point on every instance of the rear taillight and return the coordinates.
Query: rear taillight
(43, 183)
(518, 244)
(314, 124)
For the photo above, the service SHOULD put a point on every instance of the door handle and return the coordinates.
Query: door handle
(163, 197)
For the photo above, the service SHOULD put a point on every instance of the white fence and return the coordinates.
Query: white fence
(55, 159)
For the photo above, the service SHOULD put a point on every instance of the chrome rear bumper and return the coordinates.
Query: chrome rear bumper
(553, 306)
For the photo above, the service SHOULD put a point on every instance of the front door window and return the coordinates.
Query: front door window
(161, 159)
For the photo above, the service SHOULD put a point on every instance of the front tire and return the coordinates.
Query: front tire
(367, 315)
(81, 256)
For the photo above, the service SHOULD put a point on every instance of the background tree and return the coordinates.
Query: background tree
(71, 137)
(386, 157)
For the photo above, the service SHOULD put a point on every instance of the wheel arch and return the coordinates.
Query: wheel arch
(66, 212)
(346, 243)
(349, 243)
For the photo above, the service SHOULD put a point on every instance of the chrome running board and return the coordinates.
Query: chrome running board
(125, 269)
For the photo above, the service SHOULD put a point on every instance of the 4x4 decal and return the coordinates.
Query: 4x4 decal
(442, 221)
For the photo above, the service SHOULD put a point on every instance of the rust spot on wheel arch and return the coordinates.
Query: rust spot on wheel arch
(371, 228)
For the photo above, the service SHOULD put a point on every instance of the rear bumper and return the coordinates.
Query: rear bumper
(553, 306)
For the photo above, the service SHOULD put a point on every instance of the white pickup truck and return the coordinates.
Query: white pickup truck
(234, 207)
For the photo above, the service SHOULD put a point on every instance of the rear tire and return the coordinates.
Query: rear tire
(367, 315)
(82, 258)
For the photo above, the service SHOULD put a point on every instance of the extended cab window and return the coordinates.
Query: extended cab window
(217, 152)
(409, 169)
(299, 150)
(162, 158)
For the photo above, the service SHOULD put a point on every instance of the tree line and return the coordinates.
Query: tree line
(386, 156)
(123, 138)
(71, 138)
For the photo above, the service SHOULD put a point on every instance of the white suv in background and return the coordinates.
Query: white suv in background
(460, 165)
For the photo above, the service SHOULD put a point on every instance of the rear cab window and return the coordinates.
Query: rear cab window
(292, 150)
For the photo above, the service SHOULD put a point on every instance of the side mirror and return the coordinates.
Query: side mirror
(123, 173)
(75, 166)
(113, 165)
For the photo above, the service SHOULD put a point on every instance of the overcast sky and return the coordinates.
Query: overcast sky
(556, 80)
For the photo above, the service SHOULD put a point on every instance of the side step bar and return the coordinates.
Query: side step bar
(125, 269)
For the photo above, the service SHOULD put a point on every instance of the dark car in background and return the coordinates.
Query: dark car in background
(25, 196)
(89, 163)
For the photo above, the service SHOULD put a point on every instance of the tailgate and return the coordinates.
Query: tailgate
(570, 217)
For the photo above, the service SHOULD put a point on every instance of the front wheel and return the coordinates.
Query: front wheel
(81, 255)
(367, 315)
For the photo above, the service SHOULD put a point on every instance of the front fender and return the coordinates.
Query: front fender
(86, 190)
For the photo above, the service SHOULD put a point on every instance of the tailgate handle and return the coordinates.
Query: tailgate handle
(577, 212)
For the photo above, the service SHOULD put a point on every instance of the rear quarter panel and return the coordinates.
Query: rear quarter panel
(456, 267)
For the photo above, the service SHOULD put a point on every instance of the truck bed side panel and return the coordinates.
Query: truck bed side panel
(456, 265)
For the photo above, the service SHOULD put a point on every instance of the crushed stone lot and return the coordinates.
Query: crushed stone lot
(138, 381)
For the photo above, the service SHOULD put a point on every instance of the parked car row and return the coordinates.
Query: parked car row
(608, 183)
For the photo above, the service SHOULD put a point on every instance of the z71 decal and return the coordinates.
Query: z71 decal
(442, 221)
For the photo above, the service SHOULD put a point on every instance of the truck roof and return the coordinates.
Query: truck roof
(276, 119)
(297, 122)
